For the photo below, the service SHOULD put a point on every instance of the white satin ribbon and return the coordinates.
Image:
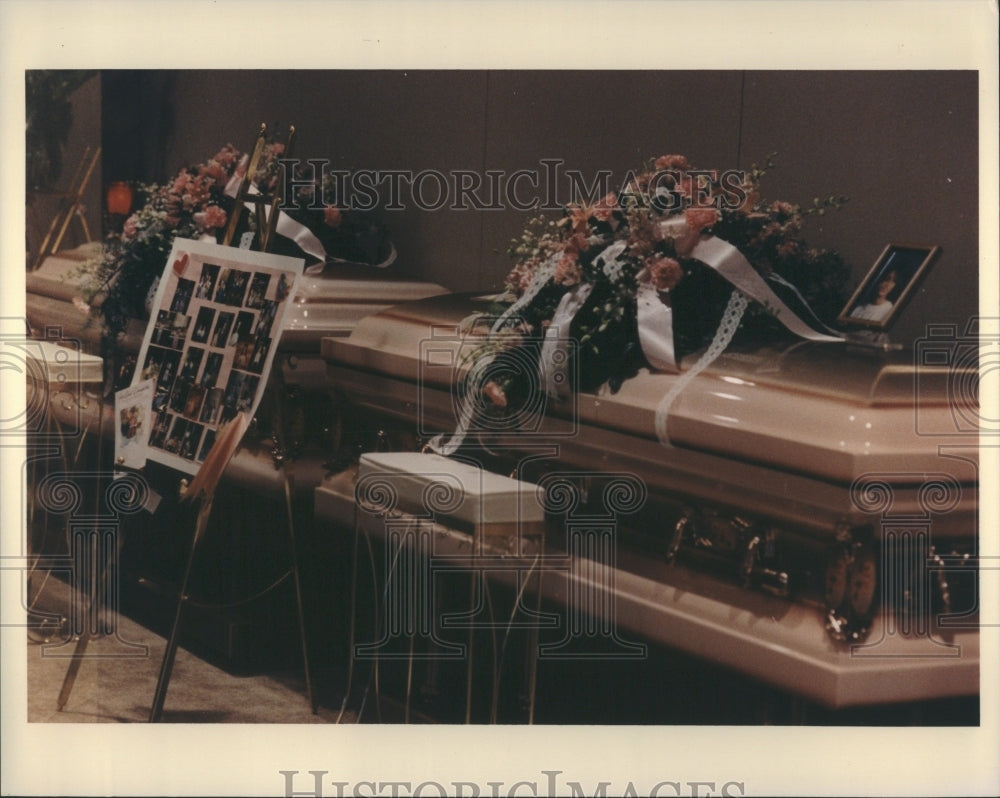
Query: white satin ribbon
(466, 415)
(656, 326)
(553, 360)
(728, 261)
(777, 278)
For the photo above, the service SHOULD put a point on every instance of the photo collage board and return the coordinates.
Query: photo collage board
(210, 343)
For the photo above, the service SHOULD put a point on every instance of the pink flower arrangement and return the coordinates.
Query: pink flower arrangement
(645, 235)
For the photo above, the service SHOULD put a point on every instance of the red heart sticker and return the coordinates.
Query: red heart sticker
(180, 264)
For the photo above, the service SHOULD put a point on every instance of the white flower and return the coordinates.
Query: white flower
(612, 267)
(613, 270)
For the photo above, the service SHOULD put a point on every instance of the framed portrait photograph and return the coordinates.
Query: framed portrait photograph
(877, 302)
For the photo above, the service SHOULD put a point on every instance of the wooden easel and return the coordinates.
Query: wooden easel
(264, 239)
(69, 207)
(265, 232)
(205, 508)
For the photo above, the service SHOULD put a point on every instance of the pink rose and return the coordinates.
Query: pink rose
(332, 216)
(664, 272)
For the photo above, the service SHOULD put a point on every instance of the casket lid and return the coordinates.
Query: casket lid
(826, 410)
(389, 342)
(330, 303)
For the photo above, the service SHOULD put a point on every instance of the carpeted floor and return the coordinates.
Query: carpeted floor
(117, 681)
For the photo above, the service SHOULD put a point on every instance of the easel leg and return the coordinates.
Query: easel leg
(74, 667)
(298, 594)
(353, 617)
(89, 628)
(167, 666)
(95, 616)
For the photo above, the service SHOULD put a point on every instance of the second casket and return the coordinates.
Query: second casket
(804, 513)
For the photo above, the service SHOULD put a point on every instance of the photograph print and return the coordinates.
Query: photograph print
(209, 348)
(881, 296)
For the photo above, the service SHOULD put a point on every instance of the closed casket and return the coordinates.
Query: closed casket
(809, 518)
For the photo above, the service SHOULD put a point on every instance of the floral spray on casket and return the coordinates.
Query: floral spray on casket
(679, 259)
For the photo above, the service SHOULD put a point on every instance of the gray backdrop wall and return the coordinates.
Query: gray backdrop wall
(902, 145)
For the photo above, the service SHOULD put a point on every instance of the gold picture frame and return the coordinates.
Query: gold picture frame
(888, 286)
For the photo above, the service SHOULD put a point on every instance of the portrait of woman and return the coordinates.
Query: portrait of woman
(877, 302)
(880, 306)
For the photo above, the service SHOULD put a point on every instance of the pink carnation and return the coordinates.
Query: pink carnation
(568, 270)
(701, 218)
(212, 218)
(214, 171)
(520, 277)
(664, 273)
